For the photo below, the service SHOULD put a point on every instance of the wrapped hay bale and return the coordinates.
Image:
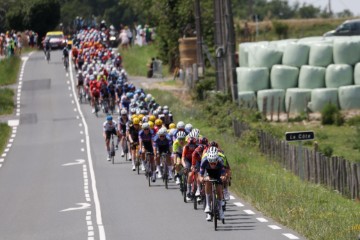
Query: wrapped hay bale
(276, 94)
(281, 44)
(296, 100)
(321, 55)
(357, 74)
(244, 54)
(283, 77)
(296, 55)
(346, 51)
(338, 75)
(264, 56)
(312, 77)
(349, 97)
(247, 99)
(320, 97)
(252, 79)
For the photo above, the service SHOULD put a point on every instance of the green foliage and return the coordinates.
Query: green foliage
(5, 132)
(15, 18)
(331, 115)
(9, 68)
(356, 140)
(354, 121)
(6, 101)
(43, 16)
(327, 150)
(204, 85)
(281, 29)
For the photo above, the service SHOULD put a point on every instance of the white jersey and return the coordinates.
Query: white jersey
(109, 127)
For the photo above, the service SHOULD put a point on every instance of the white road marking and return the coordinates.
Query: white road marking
(80, 124)
(90, 228)
(290, 236)
(82, 140)
(13, 135)
(83, 150)
(17, 114)
(68, 82)
(72, 102)
(239, 204)
(81, 132)
(11, 140)
(1, 160)
(9, 145)
(3, 155)
(249, 212)
(99, 222)
(77, 162)
(88, 218)
(70, 88)
(0, 165)
(262, 219)
(6, 149)
(82, 206)
(275, 227)
(91, 233)
(13, 123)
(232, 197)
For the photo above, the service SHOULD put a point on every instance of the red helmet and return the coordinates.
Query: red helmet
(203, 141)
(192, 140)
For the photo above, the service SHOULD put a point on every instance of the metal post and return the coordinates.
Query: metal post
(301, 161)
(219, 47)
(199, 52)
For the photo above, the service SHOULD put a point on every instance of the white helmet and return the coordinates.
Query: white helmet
(212, 155)
(188, 127)
(195, 132)
(162, 131)
(123, 112)
(180, 124)
(181, 135)
(145, 125)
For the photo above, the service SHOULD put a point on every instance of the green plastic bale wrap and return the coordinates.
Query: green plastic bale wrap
(264, 56)
(296, 100)
(346, 51)
(338, 75)
(296, 55)
(281, 44)
(283, 77)
(252, 79)
(247, 99)
(321, 55)
(320, 97)
(277, 94)
(244, 54)
(357, 74)
(349, 97)
(312, 77)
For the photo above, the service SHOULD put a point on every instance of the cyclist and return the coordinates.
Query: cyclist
(66, 57)
(180, 126)
(47, 47)
(166, 118)
(123, 122)
(178, 145)
(146, 145)
(196, 161)
(212, 166)
(186, 161)
(80, 82)
(132, 133)
(163, 144)
(109, 128)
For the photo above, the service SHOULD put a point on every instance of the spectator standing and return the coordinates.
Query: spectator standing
(129, 34)
(124, 40)
(19, 43)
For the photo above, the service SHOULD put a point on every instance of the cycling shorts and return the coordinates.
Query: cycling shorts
(109, 133)
(148, 147)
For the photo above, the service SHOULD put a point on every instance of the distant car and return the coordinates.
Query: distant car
(57, 39)
(347, 28)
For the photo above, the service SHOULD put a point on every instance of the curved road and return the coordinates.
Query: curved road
(55, 182)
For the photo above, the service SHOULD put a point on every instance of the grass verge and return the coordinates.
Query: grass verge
(5, 131)
(6, 101)
(136, 59)
(9, 68)
(312, 210)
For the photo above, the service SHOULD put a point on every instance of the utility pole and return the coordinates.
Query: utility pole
(219, 52)
(231, 48)
(330, 11)
(199, 52)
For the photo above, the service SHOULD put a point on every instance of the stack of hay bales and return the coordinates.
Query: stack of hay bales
(307, 73)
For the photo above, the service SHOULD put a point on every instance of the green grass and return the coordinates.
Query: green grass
(314, 211)
(9, 68)
(136, 59)
(6, 101)
(5, 131)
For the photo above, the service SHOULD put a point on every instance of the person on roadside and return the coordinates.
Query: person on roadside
(124, 39)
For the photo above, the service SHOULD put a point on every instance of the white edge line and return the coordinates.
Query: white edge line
(274, 227)
(99, 222)
(290, 236)
(262, 219)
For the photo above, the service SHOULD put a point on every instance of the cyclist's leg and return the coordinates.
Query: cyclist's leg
(170, 166)
(107, 141)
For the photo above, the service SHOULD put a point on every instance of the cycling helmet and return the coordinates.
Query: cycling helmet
(151, 124)
(152, 118)
(181, 135)
(195, 133)
(123, 112)
(133, 110)
(158, 122)
(188, 127)
(129, 95)
(166, 112)
(180, 125)
(143, 111)
(136, 120)
(166, 107)
(140, 116)
(214, 144)
(109, 118)
(172, 126)
(192, 140)
(162, 131)
(203, 141)
(212, 155)
(145, 125)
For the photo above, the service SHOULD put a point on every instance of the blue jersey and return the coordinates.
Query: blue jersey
(213, 173)
(162, 144)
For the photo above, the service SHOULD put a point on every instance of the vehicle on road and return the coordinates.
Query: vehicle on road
(347, 28)
(57, 39)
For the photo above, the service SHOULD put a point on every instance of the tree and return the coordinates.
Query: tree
(308, 11)
(43, 16)
(15, 19)
(345, 14)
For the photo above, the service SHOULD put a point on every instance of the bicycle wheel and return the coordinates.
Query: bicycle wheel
(112, 150)
(214, 209)
(138, 165)
(195, 202)
(185, 186)
(165, 175)
(126, 149)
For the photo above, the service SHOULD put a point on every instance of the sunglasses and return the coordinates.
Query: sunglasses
(161, 135)
(146, 128)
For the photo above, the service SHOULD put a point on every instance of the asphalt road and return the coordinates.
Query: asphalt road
(55, 182)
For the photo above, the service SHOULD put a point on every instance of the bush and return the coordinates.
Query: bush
(356, 140)
(327, 150)
(281, 29)
(331, 115)
(354, 121)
